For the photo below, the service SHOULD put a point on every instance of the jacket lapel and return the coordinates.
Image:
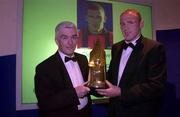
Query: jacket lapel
(65, 76)
(81, 66)
(118, 53)
(132, 63)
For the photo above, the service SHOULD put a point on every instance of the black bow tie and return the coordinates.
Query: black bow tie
(126, 45)
(70, 58)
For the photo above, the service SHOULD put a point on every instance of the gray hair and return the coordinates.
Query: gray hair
(64, 24)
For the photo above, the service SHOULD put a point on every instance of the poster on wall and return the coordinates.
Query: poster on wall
(95, 19)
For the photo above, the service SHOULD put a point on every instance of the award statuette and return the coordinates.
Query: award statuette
(97, 70)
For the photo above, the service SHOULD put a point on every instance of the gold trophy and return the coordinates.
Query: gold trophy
(97, 69)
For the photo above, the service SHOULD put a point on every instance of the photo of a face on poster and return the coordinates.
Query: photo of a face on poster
(94, 22)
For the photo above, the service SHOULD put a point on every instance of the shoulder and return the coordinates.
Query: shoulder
(152, 46)
(150, 43)
(47, 63)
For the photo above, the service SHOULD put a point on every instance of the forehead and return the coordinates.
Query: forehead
(132, 14)
(67, 31)
(129, 16)
(93, 12)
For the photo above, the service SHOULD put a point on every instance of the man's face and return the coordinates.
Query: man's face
(130, 26)
(66, 40)
(96, 20)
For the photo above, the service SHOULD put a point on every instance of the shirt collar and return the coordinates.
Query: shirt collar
(62, 55)
(134, 41)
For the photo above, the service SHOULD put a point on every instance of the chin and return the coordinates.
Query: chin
(128, 40)
(71, 53)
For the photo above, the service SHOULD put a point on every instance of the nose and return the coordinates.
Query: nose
(124, 26)
(70, 41)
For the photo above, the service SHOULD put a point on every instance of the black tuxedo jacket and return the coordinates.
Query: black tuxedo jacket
(143, 80)
(54, 90)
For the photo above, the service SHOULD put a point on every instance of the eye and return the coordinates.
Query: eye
(74, 37)
(90, 16)
(131, 22)
(64, 37)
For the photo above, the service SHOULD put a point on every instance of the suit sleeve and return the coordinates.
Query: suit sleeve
(109, 72)
(51, 96)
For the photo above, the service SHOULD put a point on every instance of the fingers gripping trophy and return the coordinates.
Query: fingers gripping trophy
(97, 69)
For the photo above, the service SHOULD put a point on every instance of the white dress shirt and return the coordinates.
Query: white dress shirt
(124, 58)
(75, 76)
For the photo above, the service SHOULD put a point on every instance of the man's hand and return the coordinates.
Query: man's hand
(112, 91)
(82, 90)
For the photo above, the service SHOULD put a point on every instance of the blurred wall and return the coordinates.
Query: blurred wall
(165, 15)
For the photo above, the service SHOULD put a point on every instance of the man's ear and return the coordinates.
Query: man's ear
(141, 24)
(56, 41)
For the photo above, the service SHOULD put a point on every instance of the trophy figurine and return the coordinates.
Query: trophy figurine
(97, 70)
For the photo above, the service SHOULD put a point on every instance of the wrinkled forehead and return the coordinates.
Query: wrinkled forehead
(68, 30)
(65, 26)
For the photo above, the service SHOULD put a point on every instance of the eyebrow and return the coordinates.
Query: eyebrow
(63, 35)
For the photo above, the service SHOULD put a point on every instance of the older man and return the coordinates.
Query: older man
(59, 80)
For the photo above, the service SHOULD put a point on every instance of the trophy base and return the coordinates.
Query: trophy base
(94, 87)
(94, 92)
(97, 85)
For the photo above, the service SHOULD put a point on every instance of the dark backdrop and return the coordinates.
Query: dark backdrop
(171, 41)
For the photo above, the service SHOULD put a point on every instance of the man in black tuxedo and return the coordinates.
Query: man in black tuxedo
(60, 79)
(137, 72)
